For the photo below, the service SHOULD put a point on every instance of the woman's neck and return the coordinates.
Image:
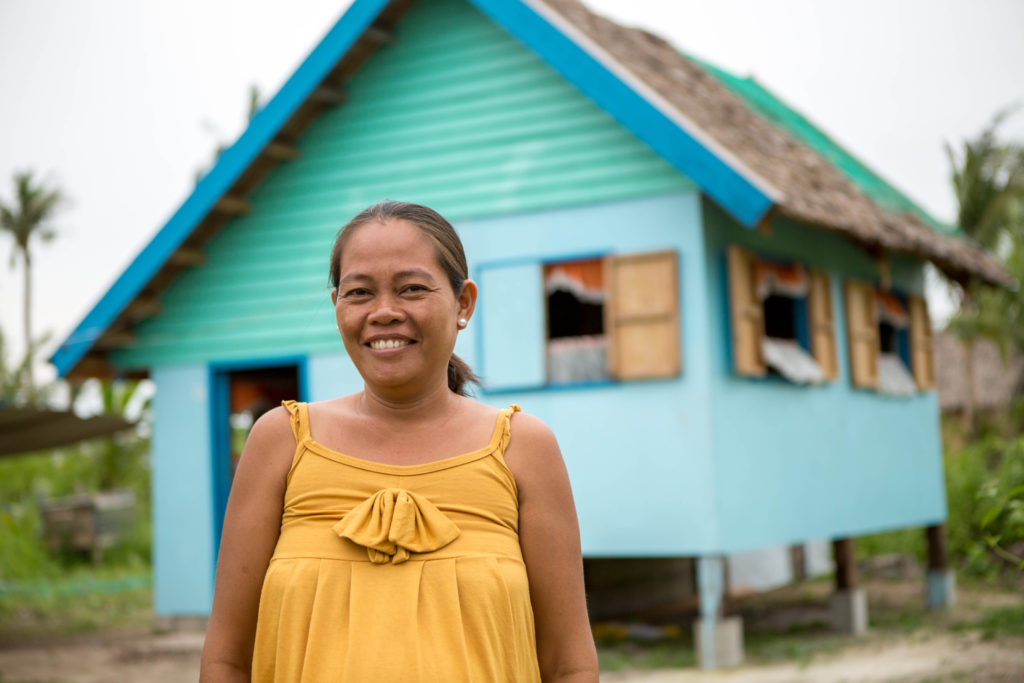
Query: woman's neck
(420, 406)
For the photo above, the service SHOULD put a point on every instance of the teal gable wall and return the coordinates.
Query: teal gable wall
(797, 462)
(455, 114)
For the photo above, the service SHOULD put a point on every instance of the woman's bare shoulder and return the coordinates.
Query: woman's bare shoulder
(271, 442)
(532, 446)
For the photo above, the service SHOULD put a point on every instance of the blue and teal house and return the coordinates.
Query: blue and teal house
(718, 310)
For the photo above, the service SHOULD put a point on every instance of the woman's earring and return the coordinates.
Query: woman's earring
(462, 323)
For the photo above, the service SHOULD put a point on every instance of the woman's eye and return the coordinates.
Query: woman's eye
(415, 289)
(358, 291)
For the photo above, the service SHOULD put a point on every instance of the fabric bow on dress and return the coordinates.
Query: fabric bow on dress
(393, 523)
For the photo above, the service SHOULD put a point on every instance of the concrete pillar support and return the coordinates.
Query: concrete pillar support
(848, 611)
(717, 639)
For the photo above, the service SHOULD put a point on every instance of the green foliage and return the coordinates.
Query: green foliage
(22, 555)
(26, 481)
(910, 541)
(985, 492)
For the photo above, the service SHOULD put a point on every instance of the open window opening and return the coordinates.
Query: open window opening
(894, 376)
(576, 341)
(890, 340)
(781, 319)
(585, 321)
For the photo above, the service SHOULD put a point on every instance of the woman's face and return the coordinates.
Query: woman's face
(395, 307)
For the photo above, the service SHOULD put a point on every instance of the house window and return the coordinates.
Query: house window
(579, 321)
(781, 316)
(890, 340)
(635, 296)
(576, 344)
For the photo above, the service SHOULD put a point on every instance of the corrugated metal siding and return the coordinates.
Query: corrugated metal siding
(455, 114)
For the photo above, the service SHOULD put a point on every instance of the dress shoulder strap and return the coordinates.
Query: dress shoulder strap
(503, 428)
(300, 419)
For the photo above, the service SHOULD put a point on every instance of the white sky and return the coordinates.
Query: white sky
(121, 101)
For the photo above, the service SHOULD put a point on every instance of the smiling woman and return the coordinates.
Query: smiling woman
(405, 532)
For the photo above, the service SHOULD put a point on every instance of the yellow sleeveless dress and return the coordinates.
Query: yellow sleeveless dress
(396, 573)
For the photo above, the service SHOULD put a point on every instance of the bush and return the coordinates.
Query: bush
(985, 494)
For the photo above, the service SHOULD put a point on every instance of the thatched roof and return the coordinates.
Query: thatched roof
(805, 186)
(997, 379)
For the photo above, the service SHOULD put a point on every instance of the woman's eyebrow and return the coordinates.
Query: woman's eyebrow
(400, 275)
(353, 276)
(414, 272)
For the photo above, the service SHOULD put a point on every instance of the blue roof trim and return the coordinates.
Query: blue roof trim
(263, 127)
(736, 194)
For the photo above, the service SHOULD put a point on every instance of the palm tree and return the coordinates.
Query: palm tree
(988, 180)
(28, 218)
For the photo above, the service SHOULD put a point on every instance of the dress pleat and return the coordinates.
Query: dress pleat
(329, 622)
(423, 581)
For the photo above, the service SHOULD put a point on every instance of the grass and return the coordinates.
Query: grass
(797, 629)
(996, 623)
(675, 653)
(85, 600)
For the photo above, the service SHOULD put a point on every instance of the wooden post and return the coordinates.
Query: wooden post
(798, 562)
(846, 564)
(938, 555)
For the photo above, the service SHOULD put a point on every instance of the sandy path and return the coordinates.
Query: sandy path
(912, 658)
(175, 657)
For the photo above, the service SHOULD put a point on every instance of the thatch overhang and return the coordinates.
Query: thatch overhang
(808, 188)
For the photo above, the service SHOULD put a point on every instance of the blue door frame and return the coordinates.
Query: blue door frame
(220, 406)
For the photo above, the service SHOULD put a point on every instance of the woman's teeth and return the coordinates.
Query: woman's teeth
(388, 343)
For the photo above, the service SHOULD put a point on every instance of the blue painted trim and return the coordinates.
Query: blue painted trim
(903, 345)
(732, 191)
(220, 437)
(800, 320)
(231, 164)
(219, 407)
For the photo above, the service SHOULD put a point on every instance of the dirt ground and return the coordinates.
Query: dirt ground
(932, 650)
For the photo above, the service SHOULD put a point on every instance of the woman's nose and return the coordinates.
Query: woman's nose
(386, 312)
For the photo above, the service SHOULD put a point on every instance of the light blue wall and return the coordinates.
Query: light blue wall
(639, 453)
(796, 463)
(183, 534)
(332, 375)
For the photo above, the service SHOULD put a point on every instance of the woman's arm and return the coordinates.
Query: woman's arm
(550, 538)
(252, 523)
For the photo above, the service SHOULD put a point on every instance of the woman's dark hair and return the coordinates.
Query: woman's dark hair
(450, 255)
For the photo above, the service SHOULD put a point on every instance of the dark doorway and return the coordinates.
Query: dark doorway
(240, 397)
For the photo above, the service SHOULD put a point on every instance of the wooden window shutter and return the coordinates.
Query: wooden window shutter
(642, 315)
(822, 322)
(862, 333)
(921, 358)
(746, 314)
